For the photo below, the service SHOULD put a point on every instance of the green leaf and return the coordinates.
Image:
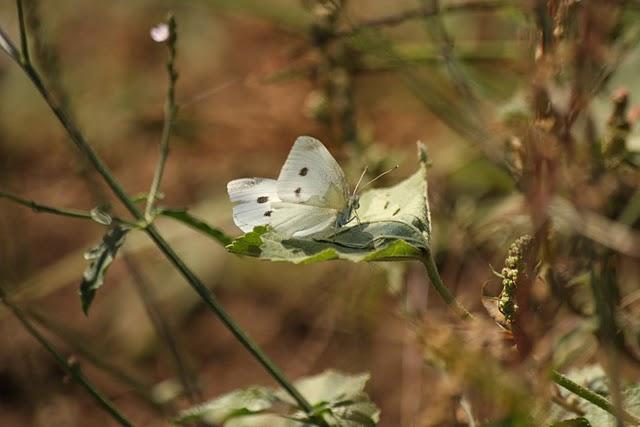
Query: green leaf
(238, 403)
(249, 244)
(337, 397)
(394, 224)
(100, 258)
(186, 218)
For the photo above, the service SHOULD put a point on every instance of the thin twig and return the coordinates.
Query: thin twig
(590, 396)
(170, 111)
(37, 207)
(78, 139)
(71, 213)
(72, 370)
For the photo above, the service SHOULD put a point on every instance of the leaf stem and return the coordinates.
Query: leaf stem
(591, 396)
(70, 369)
(78, 139)
(436, 280)
(170, 111)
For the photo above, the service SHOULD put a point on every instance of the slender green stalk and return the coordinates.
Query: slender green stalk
(24, 42)
(78, 139)
(590, 396)
(139, 282)
(213, 304)
(170, 111)
(73, 371)
(436, 280)
(72, 213)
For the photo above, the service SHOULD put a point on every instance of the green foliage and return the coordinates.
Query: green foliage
(100, 258)
(395, 224)
(337, 398)
(183, 216)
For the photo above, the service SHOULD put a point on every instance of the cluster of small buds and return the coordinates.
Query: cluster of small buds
(513, 265)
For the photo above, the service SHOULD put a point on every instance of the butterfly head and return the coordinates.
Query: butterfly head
(354, 202)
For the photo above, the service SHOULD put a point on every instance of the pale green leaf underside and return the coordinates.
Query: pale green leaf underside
(394, 224)
(339, 398)
(100, 258)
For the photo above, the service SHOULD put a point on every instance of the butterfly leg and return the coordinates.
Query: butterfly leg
(355, 213)
(356, 217)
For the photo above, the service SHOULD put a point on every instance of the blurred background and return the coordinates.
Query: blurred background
(369, 78)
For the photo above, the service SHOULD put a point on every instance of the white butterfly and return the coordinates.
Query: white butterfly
(309, 196)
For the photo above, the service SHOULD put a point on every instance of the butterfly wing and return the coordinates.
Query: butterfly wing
(299, 220)
(253, 200)
(311, 176)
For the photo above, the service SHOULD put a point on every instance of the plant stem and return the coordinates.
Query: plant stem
(213, 304)
(72, 213)
(436, 280)
(170, 111)
(76, 343)
(70, 369)
(590, 396)
(24, 42)
(78, 139)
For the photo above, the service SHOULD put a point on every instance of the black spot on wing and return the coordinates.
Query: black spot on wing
(268, 213)
(298, 191)
(304, 171)
(263, 199)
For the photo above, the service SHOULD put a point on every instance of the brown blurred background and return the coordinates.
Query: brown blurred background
(251, 79)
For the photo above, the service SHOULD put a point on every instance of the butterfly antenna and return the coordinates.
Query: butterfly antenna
(380, 176)
(355, 190)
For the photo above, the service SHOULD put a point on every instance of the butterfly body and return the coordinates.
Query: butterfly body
(347, 215)
(309, 196)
